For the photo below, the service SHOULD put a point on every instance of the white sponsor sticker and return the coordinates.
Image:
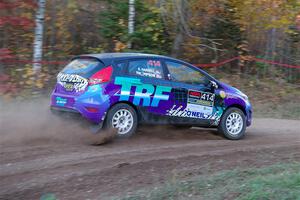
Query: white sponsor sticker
(192, 111)
(206, 110)
(78, 82)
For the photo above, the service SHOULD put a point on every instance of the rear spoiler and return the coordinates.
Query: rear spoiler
(89, 56)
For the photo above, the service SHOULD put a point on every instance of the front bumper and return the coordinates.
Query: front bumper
(248, 114)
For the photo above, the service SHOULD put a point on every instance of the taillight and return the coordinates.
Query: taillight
(91, 109)
(101, 76)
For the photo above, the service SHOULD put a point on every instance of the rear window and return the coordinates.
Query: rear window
(83, 66)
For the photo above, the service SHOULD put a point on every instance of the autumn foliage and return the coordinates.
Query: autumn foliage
(198, 31)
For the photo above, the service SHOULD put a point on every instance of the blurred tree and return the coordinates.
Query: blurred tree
(265, 25)
(149, 34)
(187, 22)
(197, 31)
(16, 21)
(38, 36)
(131, 20)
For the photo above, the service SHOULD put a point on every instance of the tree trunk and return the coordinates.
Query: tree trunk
(131, 21)
(179, 37)
(52, 40)
(38, 36)
(176, 48)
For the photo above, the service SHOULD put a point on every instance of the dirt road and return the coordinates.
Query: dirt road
(75, 170)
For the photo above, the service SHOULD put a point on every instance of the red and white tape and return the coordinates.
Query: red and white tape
(207, 65)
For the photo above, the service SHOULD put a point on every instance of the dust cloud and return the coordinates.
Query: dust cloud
(32, 122)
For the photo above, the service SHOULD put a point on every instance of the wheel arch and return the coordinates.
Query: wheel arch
(242, 108)
(130, 104)
(221, 125)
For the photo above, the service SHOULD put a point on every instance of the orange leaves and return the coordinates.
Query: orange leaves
(265, 14)
(16, 21)
(119, 46)
(298, 21)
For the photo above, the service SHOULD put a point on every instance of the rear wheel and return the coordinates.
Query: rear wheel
(123, 118)
(233, 124)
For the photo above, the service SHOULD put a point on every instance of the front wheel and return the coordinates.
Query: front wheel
(233, 124)
(123, 118)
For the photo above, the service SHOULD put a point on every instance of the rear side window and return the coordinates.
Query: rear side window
(83, 66)
(146, 67)
(121, 66)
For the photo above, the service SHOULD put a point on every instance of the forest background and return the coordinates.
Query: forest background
(259, 40)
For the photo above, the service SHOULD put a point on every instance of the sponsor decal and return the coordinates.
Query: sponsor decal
(194, 94)
(222, 94)
(69, 86)
(147, 68)
(199, 112)
(150, 95)
(152, 70)
(61, 101)
(155, 63)
(201, 98)
(149, 72)
(72, 81)
(216, 117)
(191, 110)
(206, 110)
(199, 105)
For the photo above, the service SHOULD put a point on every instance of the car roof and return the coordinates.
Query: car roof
(107, 58)
(122, 55)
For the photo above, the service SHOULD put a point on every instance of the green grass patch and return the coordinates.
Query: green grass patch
(275, 182)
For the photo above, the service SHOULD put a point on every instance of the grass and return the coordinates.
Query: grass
(275, 182)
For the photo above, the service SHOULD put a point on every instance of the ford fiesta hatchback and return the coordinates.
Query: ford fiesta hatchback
(122, 90)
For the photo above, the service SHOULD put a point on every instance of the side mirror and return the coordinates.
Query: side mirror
(213, 84)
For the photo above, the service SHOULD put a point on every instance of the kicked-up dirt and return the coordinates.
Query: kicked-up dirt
(69, 168)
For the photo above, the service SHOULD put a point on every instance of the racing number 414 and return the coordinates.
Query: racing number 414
(207, 97)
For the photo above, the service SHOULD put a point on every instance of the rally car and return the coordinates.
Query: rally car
(122, 90)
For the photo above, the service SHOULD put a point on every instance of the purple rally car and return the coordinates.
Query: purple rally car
(122, 90)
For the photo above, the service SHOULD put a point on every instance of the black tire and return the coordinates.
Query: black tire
(118, 107)
(222, 128)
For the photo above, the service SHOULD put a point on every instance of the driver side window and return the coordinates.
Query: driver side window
(183, 73)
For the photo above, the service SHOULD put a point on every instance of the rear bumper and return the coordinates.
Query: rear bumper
(91, 105)
(75, 116)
